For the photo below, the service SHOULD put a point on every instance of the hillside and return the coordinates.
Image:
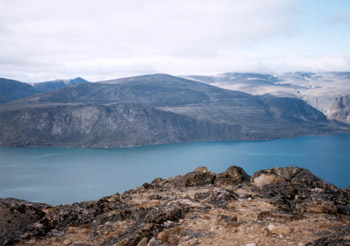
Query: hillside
(328, 92)
(57, 84)
(89, 125)
(154, 109)
(280, 206)
(11, 90)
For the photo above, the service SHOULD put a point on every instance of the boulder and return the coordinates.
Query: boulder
(280, 229)
(163, 236)
(234, 175)
(199, 177)
(266, 178)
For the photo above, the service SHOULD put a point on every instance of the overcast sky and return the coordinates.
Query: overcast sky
(105, 39)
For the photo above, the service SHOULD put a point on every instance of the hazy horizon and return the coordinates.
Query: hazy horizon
(176, 75)
(101, 40)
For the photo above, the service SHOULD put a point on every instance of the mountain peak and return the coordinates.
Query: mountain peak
(58, 83)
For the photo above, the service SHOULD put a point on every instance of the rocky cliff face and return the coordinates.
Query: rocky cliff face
(84, 125)
(335, 107)
(280, 206)
(340, 110)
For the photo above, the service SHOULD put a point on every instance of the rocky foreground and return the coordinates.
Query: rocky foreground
(280, 206)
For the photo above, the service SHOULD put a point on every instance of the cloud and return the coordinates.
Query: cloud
(101, 39)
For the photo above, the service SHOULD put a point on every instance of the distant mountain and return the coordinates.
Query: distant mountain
(236, 78)
(328, 92)
(154, 90)
(57, 84)
(154, 109)
(11, 90)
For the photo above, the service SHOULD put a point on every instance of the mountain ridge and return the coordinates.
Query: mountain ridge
(176, 109)
(57, 84)
(11, 90)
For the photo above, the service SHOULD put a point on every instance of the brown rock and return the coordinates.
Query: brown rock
(234, 218)
(201, 170)
(226, 218)
(143, 242)
(320, 207)
(266, 179)
(153, 242)
(163, 236)
(234, 223)
(279, 216)
(67, 242)
(199, 177)
(233, 175)
(175, 230)
(281, 229)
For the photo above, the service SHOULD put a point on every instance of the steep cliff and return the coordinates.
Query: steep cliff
(85, 125)
(335, 107)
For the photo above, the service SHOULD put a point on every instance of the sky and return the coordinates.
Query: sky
(44, 40)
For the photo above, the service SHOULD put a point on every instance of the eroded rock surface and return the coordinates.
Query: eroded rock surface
(280, 206)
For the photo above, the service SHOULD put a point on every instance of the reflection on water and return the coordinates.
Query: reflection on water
(59, 175)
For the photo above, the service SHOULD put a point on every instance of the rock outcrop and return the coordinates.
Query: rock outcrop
(280, 206)
(341, 109)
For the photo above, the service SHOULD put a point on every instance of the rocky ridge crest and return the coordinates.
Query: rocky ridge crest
(280, 206)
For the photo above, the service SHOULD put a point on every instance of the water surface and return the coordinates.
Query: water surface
(61, 175)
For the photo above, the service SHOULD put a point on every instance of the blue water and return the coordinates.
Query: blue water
(60, 175)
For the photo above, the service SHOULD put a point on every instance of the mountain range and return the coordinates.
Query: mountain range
(57, 84)
(153, 109)
(11, 90)
(328, 92)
